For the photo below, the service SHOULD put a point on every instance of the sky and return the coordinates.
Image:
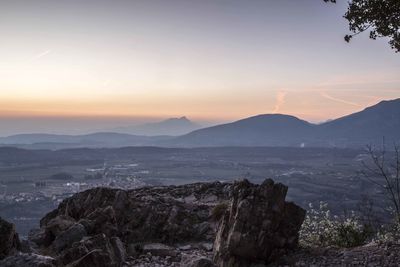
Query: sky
(76, 66)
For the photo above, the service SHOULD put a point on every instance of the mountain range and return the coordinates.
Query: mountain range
(368, 126)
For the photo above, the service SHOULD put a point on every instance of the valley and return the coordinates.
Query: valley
(33, 182)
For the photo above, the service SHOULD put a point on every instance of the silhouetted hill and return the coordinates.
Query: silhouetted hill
(367, 126)
(356, 130)
(261, 130)
(172, 126)
(359, 129)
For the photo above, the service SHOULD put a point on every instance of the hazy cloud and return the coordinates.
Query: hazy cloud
(40, 55)
(327, 96)
(280, 100)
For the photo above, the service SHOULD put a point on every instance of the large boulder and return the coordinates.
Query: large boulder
(258, 226)
(9, 241)
(102, 226)
(156, 215)
(104, 222)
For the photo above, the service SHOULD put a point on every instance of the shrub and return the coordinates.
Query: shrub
(321, 229)
(389, 233)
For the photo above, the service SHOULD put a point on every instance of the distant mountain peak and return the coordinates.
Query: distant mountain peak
(171, 126)
(183, 118)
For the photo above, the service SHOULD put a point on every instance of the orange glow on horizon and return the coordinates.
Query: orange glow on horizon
(200, 109)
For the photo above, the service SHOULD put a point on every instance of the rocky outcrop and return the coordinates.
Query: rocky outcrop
(258, 226)
(159, 214)
(114, 225)
(166, 226)
(9, 241)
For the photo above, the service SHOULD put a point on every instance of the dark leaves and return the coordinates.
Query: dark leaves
(347, 38)
(381, 17)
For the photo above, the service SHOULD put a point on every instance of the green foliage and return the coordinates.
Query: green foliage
(321, 229)
(218, 211)
(350, 233)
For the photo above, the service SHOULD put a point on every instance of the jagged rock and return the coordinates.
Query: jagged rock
(39, 237)
(102, 220)
(207, 246)
(76, 252)
(157, 249)
(202, 262)
(155, 214)
(28, 260)
(9, 241)
(96, 258)
(99, 226)
(258, 226)
(118, 248)
(65, 239)
(112, 247)
(114, 219)
(59, 224)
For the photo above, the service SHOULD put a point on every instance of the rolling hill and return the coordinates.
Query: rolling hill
(261, 130)
(368, 126)
(172, 126)
(358, 129)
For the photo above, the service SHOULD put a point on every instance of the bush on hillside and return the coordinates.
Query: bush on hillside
(321, 229)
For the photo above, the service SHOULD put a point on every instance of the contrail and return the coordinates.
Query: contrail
(280, 100)
(324, 94)
(38, 56)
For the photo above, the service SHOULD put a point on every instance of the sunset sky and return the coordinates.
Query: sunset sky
(117, 61)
